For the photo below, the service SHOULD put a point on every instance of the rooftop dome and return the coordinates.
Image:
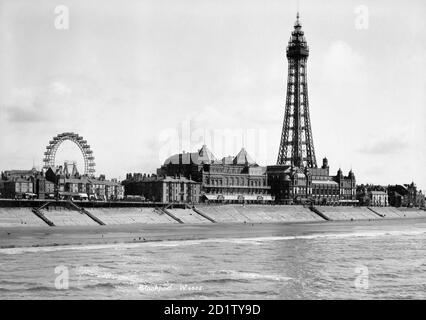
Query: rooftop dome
(204, 155)
(174, 159)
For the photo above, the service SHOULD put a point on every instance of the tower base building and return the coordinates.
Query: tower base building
(303, 185)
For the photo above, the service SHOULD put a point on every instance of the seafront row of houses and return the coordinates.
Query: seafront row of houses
(201, 177)
(58, 183)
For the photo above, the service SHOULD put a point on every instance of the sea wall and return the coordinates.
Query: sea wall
(339, 213)
(60, 216)
(200, 214)
(114, 216)
(395, 213)
(188, 216)
(259, 213)
(19, 217)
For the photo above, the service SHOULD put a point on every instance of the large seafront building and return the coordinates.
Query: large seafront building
(164, 189)
(230, 179)
(290, 184)
(296, 178)
(236, 179)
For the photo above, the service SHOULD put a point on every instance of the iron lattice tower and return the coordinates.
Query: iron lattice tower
(297, 147)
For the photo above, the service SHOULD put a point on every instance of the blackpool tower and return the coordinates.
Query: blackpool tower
(297, 147)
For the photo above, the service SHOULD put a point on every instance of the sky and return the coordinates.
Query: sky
(141, 80)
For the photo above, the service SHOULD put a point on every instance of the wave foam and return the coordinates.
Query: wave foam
(250, 275)
(175, 243)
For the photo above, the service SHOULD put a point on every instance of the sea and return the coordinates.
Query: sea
(385, 261)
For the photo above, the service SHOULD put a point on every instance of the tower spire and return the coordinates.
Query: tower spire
(242, 140)
(298, 8)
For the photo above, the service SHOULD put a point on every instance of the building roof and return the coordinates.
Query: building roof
(243, 158)
(204, 155)
(378, 192)
(165, 179)
(103, 182)
(227, 160)
(20, 172)
(179, 179)
(325, 182)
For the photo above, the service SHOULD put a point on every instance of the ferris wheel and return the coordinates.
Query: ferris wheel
(52, 147)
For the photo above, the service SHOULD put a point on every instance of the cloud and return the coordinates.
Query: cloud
(22, 106)
(343, 69)
(37, 103)
(59, 89)
(19, 114)
(386, 145)
(343, 58)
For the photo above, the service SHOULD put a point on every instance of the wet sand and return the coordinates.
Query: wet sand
(59, 236)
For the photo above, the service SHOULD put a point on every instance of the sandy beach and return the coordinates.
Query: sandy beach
(59, 236)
